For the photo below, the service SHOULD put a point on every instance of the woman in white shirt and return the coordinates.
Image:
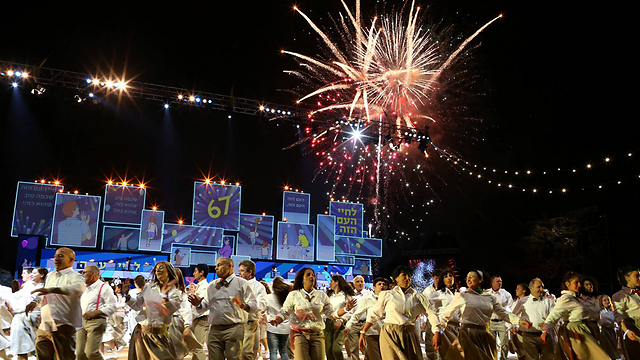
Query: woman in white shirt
(627, 305)
(182, 319)
(160, 299)
(440, 298)
(574, 337)
(304, 308)
(24, 326)
(400, 307)
(476, 306)
(278, 335)
(340, 293)
(607, 322)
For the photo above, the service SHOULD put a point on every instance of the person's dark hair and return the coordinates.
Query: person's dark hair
(485, 278)
(342, 284)
(299, 280)
(493, 277)
(378, 279)
(401, 269)
(568, 277)
(249, 265)
(525, 287)
(27, 269)
(203, 268)
(440, 285)
(625, 271)
(593, 281)
(180, 279)
(436, 272)
(42, 271)
(281, 289)
(266, 286)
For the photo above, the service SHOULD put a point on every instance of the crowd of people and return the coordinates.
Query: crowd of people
(65, 315)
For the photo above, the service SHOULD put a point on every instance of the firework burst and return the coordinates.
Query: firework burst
(372, 92)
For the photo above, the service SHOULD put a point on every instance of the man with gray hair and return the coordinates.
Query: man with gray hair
(535, 308)
(98, 303)
(353, 331)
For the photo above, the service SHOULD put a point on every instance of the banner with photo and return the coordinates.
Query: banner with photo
(216, 205)
(362, 267)
(33, 208)
(190, 235)
(325, 246)
(151, 230)
(228, 244)
(295, 241)
(255, 238)
(345, 260)
(75, 220)
(296, 207)
(123, 204)
(349, 218)
(120, 238)
(369, 247)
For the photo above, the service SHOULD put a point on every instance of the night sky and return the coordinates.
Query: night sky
(546, 87)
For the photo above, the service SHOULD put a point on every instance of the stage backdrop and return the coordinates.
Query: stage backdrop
(151, 230)
(120, 238)
(295, 241)
(255, 238)
(216, 205)
(349, 218)
(123, 204)
(190, 235)
(75, 220)
(33, 208)
(325, 246)
(368, 247)
(296, 207)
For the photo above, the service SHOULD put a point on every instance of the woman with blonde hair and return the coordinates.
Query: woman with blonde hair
(607, 322)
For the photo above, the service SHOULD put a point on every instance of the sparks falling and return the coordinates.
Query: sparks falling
(372, 93)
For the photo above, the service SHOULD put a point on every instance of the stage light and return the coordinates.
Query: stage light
(15, 84)
(141, 186)
(90, 95)
(42, 181)
(267, 109)
(89, 81)
(96, 82)
(263, 214)
(197, 99)
(192, 98)
(228, 116)
(288, 112)
(56, 182)
(60, 190)
(180, 222)
(209, 101)
(166, 106)
(261, 108)
(18, 74)
(10, 73)
(122, 85)
(286, 188)
(237, 184)
(109, 83)
(204, 101)
(25, 75)
(607, 159)
(223, 182)
(110, 182)
(207, 181)
(180, 97)
(75, 191)
(154, 208)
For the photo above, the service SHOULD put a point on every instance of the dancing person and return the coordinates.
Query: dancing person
(114, 335)
(589, 294)
(251, 343)
(352, 334)
(340, 293)
(304, 308)
(229, 301)
(445, 291)
(627, 305)
(200, 315)
(277, 334)
(400, 308)
(535, 308)
(98, 304)
(477, 307)
(574, 337)
(516, 344)
(498, 327)
(368, 341)
(263, 322)
(181, 320)
(160, 300)
(607, 322)
(24, 325)
(60, 309)
(428, 331)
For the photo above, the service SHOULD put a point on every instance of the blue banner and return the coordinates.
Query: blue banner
(296, 207)
(120, 238)
(151, 230)
(295, 241)
(349, 218)
(368, 247)
(216, 205)
(75, 220)
(190, 235)
(255, 238)
(123, 204)
(325, 246)
(33, 208)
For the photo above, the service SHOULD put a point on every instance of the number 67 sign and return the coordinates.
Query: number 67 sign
(216, 205)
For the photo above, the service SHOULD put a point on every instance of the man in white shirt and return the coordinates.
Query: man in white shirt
(230, 299)
(61, 314)
(353, 332)
(369, 339)
(200, 315)
(428, 334)
(98, 303)
(498, 327)
(535, 308)
(251, 344)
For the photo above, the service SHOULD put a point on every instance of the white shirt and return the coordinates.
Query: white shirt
(361, 311)
(476, 309)
(305, 309)
(428, 290)
(627, 304)
(272, 310)
(261, 301)
(201, 291)
(339, 301)
(62, 309)
(504, 298)
(89, 299)
(439, 300)
(568, 308)
(534, 310)
(156, 312)
(399, 307)
(185, 310)
(222, 311)
(359, 295)
(592, 307)
(21, 298)
(607, 319)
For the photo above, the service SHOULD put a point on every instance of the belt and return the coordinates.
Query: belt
(497, 320)
(155, 329)
(531, 333)
(250, 321)
(202, 317)
(473, 326)
(224, 326)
